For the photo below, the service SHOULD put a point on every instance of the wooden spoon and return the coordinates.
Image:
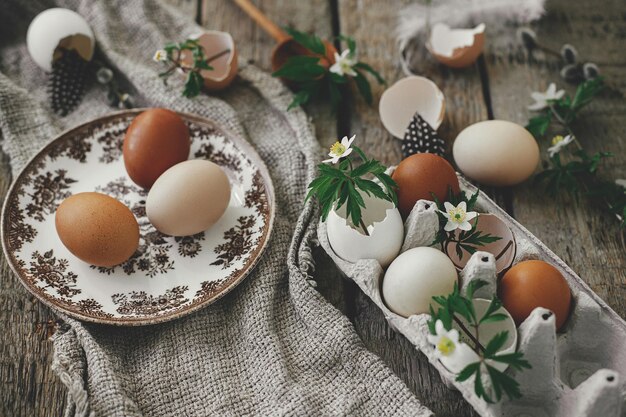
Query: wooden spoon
(286, 46)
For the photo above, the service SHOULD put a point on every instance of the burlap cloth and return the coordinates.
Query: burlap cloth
(273, 346)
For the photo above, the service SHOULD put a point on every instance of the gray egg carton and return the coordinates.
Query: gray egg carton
(578, 371)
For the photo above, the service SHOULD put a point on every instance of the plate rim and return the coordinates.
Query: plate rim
(237, 139)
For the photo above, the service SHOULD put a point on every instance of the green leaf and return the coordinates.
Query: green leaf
(364, 66)
(515, 360)
(300, 68)
(585, 92)
(494, 318)
(360, 152)
(300, 98)
(467, 372)
(193, 85)
(538, 125)
(494, 306)
(310, 42)
(496, 343)
(363, 86)
(474, 286)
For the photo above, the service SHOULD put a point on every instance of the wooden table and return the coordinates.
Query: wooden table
(584, 236)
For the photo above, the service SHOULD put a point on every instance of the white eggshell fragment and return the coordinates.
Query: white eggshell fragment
(58, 27)
(496, 152)
(415, 277)
(410, 95)
(384, 225)
(188, 198)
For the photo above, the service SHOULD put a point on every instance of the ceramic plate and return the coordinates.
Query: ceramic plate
(167, 277)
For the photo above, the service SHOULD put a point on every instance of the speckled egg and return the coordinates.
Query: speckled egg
(97, 229)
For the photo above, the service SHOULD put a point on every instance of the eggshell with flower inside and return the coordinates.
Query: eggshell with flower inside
(384, 225)
(221, 45)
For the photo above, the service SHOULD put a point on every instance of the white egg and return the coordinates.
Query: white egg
(384, 225)
(188, 198)
(58, 27)
(415, 277)
(496, 152)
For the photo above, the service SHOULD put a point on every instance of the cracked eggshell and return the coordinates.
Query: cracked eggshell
(399, 103)
(503, 250)
(456, 48)
(414, 278)
(58, 28)
(384, 225)
(496, 152)
(225, 67)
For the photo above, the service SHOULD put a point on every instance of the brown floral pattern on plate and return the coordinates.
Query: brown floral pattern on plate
(203, 267)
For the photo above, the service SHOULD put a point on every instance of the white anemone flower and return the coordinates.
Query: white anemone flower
(542, 99)
(160, 56)
(340, 150)
(559, 142)
(458, 217)
(343, 64)
(445, 341)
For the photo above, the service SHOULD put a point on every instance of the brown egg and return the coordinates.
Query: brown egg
(97, 228)
(155, 141)
(420, 175)
(532, 284)
(456, 48)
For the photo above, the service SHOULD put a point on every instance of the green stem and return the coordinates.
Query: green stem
(469, 334)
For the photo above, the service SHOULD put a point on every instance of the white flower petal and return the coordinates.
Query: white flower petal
(336, 68)
(471, 215)
(345, 54)
(347, 152)
(462, 205)
(538, 96)
(448, 206)
(439, 329)
(621, 182)
(551, 90)
(559, 94)
(538, 106)
(450, 226)
(465, 226)
(433, 340)
(453, 335)
(351, 140)
(337, 57)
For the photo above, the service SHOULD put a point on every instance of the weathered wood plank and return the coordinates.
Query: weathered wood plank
(585, 237)
(371, 23)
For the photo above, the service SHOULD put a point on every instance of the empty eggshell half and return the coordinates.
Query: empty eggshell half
(384, 225)
(409, 95)
(456, 48)
(225, 67)
(503, 250)
(55, 29)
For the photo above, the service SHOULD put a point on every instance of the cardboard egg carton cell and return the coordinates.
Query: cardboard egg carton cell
(579, 371)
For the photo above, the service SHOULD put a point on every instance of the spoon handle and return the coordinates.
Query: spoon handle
(270, 27)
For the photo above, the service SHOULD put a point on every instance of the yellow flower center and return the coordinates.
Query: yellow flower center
(337, 149)
(557, 139)
(457, 215)
(446, 346)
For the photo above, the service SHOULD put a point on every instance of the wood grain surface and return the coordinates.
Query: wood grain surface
(580, 233)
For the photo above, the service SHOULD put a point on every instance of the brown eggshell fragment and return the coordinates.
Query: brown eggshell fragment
(97, 229)
(503, 250)
(156, 140)
(532, 284)
(225, 67)
(421, 175)
(466, 45)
